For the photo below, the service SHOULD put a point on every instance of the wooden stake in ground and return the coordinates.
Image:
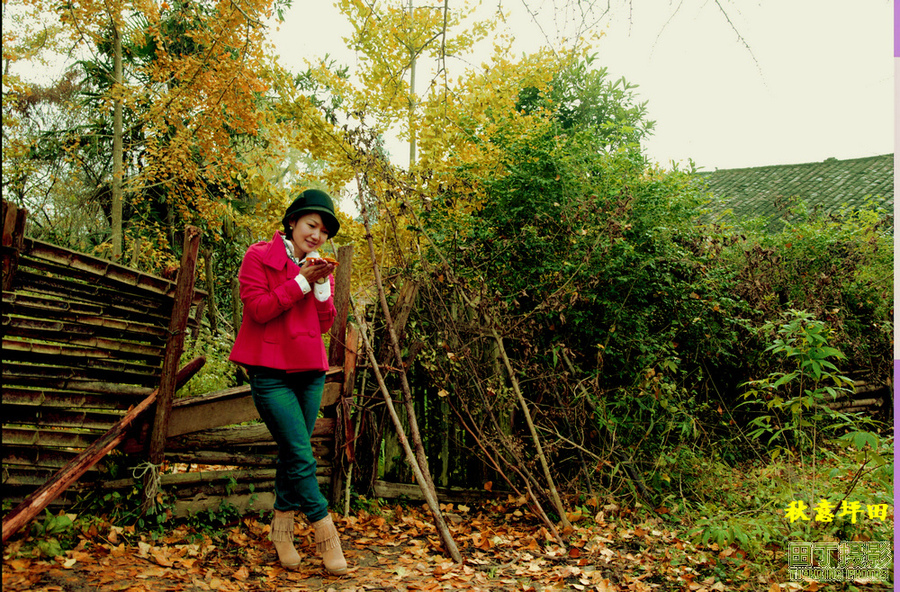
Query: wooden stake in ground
(181, 309)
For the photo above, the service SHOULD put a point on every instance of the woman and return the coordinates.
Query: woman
(288, 305)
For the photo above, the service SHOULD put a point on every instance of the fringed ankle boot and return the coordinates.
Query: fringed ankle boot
(282, 536)
(328, 545)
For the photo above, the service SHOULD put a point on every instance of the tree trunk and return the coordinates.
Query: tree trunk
(412, 98)
(212, 311)
(117, 149)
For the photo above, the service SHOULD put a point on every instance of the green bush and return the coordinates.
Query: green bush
(217, 373)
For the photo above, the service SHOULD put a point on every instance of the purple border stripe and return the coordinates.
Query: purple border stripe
(897, 28)
(896, 448)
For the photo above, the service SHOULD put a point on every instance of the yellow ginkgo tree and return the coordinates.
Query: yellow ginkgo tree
(190, 82)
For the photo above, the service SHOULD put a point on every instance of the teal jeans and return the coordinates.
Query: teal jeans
(288, 404)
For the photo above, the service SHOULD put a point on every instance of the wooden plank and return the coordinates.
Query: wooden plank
(33, 277)
(221, 457)
(24, 350)
(125, 349)
(86, 386)
(36, 502)
(322, 450)
(15, 495)
(73, 311)
(242, 435)
(225, 488)
(186, 484)
(82, 332)
(19, 374)
(223, 408)
(386, 490)
(64, 355)
(61, 302)
(227, 407)
(57, 417)
(32, 457)
(90, 266)
(31, 478)
(32, 436)
(180, 479)
(66, 399)
(244, 503)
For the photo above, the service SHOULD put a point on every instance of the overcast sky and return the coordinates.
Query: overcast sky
(807, 79)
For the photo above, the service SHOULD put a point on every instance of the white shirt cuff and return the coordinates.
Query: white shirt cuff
(304, 285)
(323, 291)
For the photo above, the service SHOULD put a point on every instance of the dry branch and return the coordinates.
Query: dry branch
(554, 494)
(419, 460)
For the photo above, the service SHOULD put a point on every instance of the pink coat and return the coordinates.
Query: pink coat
(282, 328)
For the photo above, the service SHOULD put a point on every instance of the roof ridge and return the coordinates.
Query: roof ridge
(803, 164)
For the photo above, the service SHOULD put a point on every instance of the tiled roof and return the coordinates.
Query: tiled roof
(829, 186)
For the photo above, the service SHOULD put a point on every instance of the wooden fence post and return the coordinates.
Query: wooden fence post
(341, 304)
(181, 308)
(338, 356)
(13, 241)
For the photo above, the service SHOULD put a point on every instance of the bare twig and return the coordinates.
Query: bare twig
(419, 460)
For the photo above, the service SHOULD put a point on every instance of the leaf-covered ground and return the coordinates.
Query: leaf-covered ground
(397, 549)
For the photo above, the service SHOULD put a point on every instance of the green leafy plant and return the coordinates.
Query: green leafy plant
(217, 373)
(54, 535)
(795, 410)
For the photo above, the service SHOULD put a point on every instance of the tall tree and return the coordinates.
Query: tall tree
(391, 41)
(192, 97)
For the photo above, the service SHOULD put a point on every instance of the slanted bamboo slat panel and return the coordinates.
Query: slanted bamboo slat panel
(83, 341)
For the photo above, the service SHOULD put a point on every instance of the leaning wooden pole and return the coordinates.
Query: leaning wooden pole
(420, 460)
(49, 491)
(429, 493)
(554, 494)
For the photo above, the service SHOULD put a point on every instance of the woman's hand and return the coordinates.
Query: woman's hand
(314, 271)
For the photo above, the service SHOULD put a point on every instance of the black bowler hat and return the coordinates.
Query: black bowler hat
(313, 201)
